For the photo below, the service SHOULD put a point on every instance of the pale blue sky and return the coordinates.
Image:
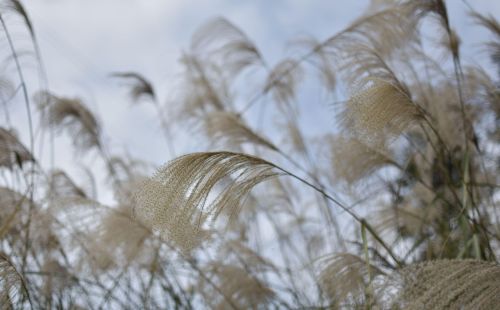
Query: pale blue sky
(83, 41)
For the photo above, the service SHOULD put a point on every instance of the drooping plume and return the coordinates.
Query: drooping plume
(221, 39)
(12, 151)
(353, 160)
(379, 110)
(72, 115)
(239, 288)
(283, 80)
(182, 195)
(139, 85)
(344, 277)
(229, 129)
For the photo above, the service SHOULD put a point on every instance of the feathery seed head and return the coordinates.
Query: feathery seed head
(177, 200)
(379, 110)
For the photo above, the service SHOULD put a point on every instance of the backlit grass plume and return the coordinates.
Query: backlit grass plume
(182, 195)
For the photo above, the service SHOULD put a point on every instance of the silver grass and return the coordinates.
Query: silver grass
(12, 205)
(78, 253)
(385, 31)
(239, 287)
(45, 238)
(433, 8)
(182, 195)
(321, 61)
(204, 88)
(406, 218)
(61, 185)
(112, 237)
(387, 27)
(221, 39)
(450, 284)
(139, 85)
(451, 42)
(362, 63)
(379, 110)
(478, 85)
(353, 160)
(283, 80)
(72, 115)
(294, 137)
(7, 90)
(230, 130)
(127, 169)
(489, 22)
(493, 47)
(12, 152)
(445, 116)
(245, 255)
(119, 235)
(16, 6)
(59, 277)
(344, 277)
(12, 285)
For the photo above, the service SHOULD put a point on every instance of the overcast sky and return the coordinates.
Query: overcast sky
(83, 41)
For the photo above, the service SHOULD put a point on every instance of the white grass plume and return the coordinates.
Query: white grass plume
(344, 277)
(12, 206)
(231, 130)
(204, 88)
(352, 160)
(175, 201)
(72, 115)
(243, 289)
(12, 151)
(283, 80)
(379, 110)
(120, 235)
(321, 61)
(406, 219)
(221, 39)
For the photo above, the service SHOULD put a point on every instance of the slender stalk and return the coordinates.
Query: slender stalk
(30, 126)
(347, 210)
